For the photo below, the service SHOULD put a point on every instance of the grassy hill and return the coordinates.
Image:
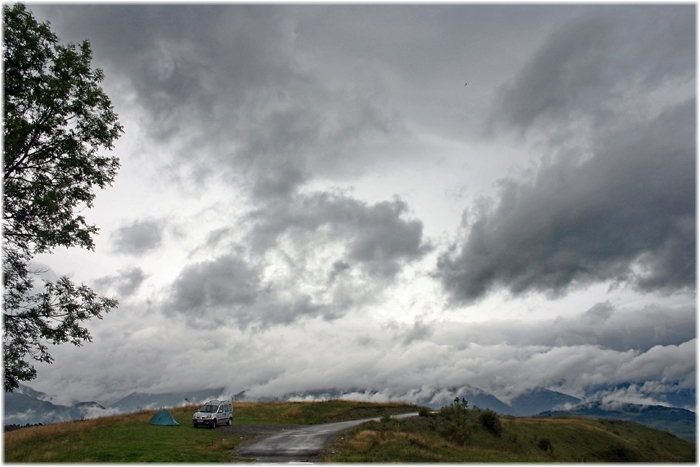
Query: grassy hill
(453, 435)
(458, 435)
(680, 422)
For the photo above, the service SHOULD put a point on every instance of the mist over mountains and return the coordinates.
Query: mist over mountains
(529, 403)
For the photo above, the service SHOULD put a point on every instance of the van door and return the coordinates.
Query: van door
(220, 414)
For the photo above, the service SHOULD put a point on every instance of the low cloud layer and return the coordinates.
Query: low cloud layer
(602, 325)
(357, 352)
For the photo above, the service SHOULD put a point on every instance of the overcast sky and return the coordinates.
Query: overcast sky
(390, 198)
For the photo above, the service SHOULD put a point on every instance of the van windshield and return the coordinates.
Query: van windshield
(209, 408)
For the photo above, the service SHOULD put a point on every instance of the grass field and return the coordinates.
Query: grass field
(130, 438)
(447, 437)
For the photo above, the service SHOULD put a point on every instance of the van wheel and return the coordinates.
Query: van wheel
(230, 420)
(213, 425)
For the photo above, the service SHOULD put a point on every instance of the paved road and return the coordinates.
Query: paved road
(301, 443)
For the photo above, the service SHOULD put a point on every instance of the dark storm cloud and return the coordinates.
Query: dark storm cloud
(627, 215)
(375, 236)
(588, 61)
(614, 204)
(137, 238)
(125, 283)
(230, 89)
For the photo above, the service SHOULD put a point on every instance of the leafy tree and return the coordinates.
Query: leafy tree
(56, 119)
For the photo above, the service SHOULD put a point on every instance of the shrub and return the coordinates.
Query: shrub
(545, 444)
(454, 411)
(456, 431)
(424, 412)
(491, 422)
(456, 426)
(619, 453)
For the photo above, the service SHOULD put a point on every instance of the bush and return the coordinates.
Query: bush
(424, 412)
(456, 427)
(619, 453)
(545, 444)
(457, 431)
(491, 422)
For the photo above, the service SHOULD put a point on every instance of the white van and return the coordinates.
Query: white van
(214, 413)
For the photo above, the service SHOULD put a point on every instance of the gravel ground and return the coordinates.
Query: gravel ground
(251, 432)
(254, 432)
(255, 429)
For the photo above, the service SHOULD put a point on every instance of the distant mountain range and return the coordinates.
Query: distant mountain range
(670, 394)
(142, 401)
(680, 422)
(529, 403)
(23, 409)
(27, 406)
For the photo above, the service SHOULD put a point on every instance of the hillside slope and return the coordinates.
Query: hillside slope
(464, 438)
(680, 422)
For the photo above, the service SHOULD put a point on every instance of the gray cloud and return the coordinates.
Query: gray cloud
(603, 325)
(368, 244)
(419, 332)
(627, 214)
(229, 290)
(137, 238)
(613, 198)
(126, 282)
(375, 236)
(593, 59)
(338, 268)
(269, 103)
(210, 290)
(234, 94)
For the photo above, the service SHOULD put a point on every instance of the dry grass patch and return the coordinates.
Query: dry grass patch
(363, 440)
(57, 430)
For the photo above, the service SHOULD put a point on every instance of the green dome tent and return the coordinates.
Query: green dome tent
(163, 417)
